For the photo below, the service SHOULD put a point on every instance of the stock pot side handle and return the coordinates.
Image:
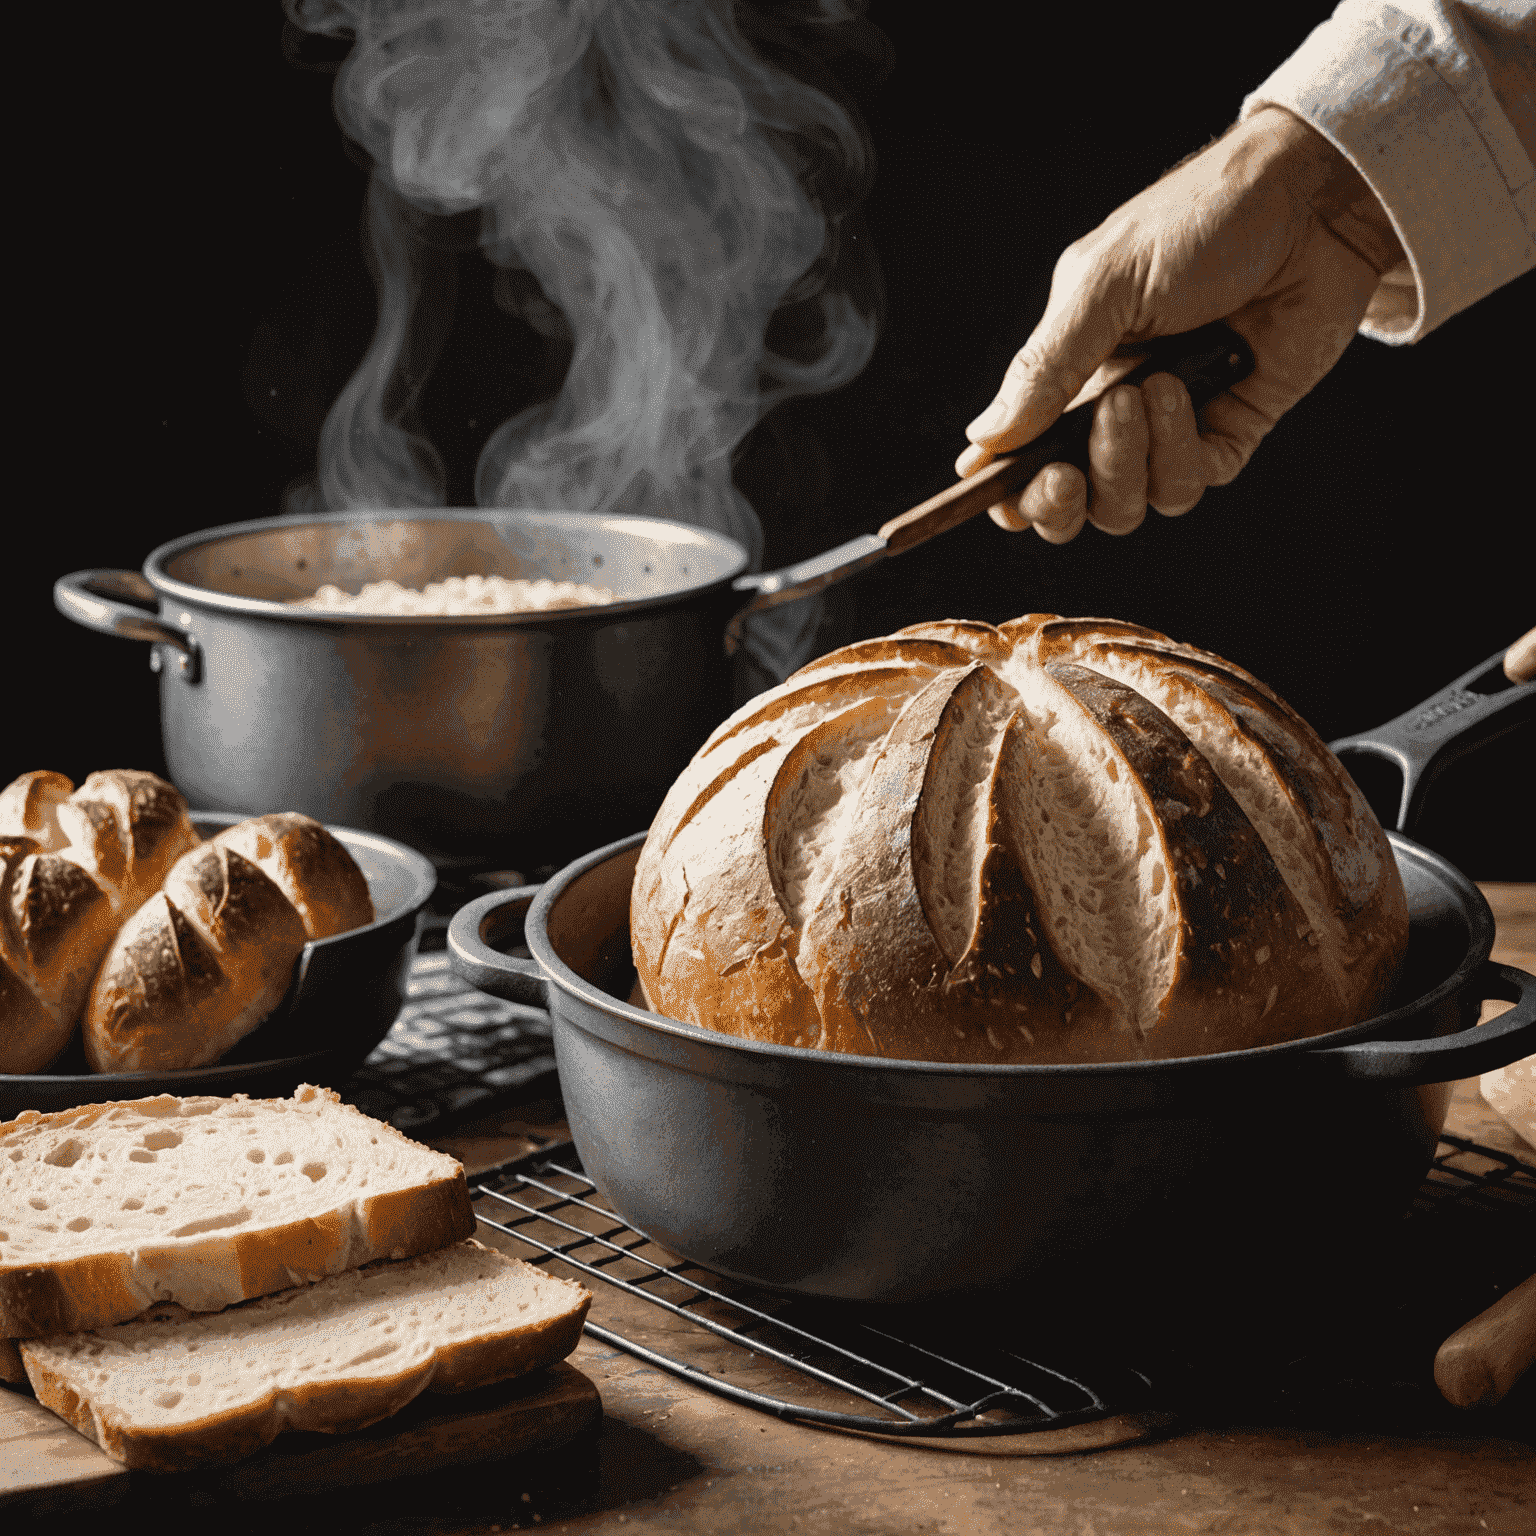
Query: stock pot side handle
(496, 917)
(110, 602)
(1467, 1053)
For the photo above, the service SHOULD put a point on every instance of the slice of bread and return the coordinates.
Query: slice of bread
(111, 1208)
(173, 1390)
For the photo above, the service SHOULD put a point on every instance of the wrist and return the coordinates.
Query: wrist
(1324, 177)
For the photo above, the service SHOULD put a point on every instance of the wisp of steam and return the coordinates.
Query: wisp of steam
(652, 189)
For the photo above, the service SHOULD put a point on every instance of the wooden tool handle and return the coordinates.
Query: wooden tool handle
(1483, 1359)
(1208, 361)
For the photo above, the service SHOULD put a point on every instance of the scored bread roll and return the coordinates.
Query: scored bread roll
(211, 954)
(125, 828)
(29, 807)
(1055, 840)
(74, 864)
(55, 925)
(310, 866)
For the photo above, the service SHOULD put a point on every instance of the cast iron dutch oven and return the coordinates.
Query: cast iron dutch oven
(495, 739)
(1110, 1187)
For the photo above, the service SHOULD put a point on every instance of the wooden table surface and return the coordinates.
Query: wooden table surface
(1375, 1451)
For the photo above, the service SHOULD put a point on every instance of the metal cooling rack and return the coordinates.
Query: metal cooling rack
(901, 1386)
(1476, 1177)
(720, 1336)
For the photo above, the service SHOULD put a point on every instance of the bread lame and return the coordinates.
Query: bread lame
(1207, 361)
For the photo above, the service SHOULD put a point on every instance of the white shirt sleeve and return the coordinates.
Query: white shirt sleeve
(1434, 102)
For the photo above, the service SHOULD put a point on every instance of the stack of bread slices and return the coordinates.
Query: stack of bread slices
(185, 1278)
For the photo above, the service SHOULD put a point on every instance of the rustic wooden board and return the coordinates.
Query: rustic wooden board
(46, 1467)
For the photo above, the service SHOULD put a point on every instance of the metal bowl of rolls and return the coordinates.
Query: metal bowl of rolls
(1158, 1190)
(343, 995)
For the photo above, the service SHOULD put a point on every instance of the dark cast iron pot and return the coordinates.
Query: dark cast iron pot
(1106, 1186)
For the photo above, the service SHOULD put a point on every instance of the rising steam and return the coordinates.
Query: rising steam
(652, 189)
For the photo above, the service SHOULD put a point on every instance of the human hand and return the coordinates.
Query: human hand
(1271, 229)
(1520, 659)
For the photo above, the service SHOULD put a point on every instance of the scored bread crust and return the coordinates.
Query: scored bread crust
(78, 1285)
(126, 828)
(884, 982)
(1309, 810)
(706, 911)
(1052, 840)
(310, 866)
(55, 925)
(195, 969)
(29, 807)
(85, 1377)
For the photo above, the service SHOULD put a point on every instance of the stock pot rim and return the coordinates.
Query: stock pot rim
(1396, 1024)
(172, 588)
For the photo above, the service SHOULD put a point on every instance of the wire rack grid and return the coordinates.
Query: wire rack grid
(902, 1385)
(734, 1341)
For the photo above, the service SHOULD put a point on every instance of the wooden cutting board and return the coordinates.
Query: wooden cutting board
(47, 1467)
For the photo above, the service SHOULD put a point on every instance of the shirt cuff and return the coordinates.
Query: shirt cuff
(1455, 181)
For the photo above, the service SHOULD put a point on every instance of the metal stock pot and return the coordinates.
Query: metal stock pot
(486, 740)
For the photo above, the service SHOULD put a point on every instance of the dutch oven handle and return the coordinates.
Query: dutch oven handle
(1467, 1053)
(473, 932)
(1479, 707)
(113, 603)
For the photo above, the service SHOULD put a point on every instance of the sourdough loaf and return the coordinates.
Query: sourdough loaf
(74, 865)
(211, 954)
(111, 1208)
(1056, 840)
(171, 1391)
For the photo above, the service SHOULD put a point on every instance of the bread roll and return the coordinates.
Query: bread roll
(1051, 841)
(29, 807)
(55, 925)
(74, 865)
(310, 866)
(126, 828)
(212, 953)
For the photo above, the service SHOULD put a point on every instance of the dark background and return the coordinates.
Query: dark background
(194, 295)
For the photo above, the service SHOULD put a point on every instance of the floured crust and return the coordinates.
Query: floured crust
(171, 1391)
(1052, 840)
(294, 1229)
(29, 807)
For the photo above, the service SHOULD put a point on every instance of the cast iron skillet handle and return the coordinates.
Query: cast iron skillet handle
(1480, 706)
(1467, 1053)
(109, 601)
(490, 920)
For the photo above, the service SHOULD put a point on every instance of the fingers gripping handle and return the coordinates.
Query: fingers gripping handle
(1207, 362)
